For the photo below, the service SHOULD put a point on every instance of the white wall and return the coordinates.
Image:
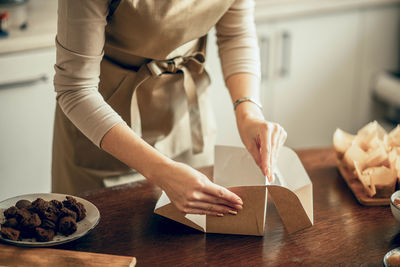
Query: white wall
(227, 133)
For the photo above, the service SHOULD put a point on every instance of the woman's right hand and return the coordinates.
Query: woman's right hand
(192, 192)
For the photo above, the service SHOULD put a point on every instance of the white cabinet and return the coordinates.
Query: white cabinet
(317, 70)
(379, 50)
(308, 75)
(227, 133)
(27, 102)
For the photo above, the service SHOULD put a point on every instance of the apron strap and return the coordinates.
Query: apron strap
(112, 7)
(186, 65)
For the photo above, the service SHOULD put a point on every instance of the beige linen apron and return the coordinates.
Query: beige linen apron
(152, 75)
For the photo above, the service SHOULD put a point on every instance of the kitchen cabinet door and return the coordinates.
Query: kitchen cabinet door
(379, 47)
(27, 102)
(267, 43)
(310, 87)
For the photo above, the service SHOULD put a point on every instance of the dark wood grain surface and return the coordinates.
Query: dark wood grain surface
(344, 232)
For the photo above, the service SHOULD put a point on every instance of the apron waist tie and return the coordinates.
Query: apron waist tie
(178, 64)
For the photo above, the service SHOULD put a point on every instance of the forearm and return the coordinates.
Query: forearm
(261, 138)
(244, 85)
(188, 189)
(125, 145)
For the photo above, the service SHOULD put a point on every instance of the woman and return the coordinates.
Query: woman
(131, 92)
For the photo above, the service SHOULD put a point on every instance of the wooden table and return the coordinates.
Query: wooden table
(344, 232)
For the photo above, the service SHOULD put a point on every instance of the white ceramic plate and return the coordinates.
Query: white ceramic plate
(84, 226)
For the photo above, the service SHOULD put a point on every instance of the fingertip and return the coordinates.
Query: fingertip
(266, 171)
(270, 176)
(238, 207)
(263, 168)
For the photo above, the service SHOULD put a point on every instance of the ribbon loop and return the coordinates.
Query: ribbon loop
(154, 68)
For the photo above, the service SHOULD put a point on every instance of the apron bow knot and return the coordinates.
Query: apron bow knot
(181, 64)
(194, 62)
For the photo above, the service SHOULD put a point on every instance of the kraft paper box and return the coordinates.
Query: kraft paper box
(235, 169)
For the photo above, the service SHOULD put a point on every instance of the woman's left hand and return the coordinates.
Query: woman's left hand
(263, 139)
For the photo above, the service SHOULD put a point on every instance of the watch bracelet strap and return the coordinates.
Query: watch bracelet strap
(246, 99)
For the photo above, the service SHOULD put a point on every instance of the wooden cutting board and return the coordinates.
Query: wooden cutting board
(358, 190)
(17, 256)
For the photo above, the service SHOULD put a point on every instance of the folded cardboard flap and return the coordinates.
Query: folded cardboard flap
(290, 209)
(235, 169)
(165, 208)
(298, 182)
(249, 221)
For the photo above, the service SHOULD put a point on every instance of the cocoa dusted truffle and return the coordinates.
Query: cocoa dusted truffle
(56, 204)
(10, 212)
(11, 222)
(48, 224)
(64, 212)
(50, 215)
(23, 203)
(44, 235)
(67, 226)
(75, 206)
(10, 233)
(31, 222)
(39, 205)
(81, 211)
(22, 214)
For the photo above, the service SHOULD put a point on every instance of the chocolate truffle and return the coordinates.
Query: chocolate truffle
(31, 222)
(67, 225)
(22, 214)
(48, 224)
(10, 233)
(64, 212)
(44, 235)
(56, 204)
(23, 203)
(75, 206)
(11, 222)
(11, 212)
(50, 215)
(39, 205)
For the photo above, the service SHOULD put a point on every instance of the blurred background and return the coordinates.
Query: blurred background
(326, 64)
